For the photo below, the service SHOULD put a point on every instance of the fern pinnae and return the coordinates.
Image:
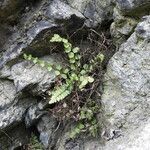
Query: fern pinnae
(60, 93)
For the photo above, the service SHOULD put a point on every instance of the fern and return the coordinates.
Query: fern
(87, 121)
(74, 75)
(60, 93)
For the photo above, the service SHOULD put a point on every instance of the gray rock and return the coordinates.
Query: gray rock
(23, 74)
(126, 94)
(133, 140)
(33, 77)
(127, 13)
(26, 76)
(126, 87)
(5, 32)
(21, 80)
(12, 109)
(143, 28)
(65, 143)
(96, 12)
(122, 27)
(7, 92)
(138, 6)
(47, 127)
(34, 24)
(17, 105)
(60, 10)
(34, 113)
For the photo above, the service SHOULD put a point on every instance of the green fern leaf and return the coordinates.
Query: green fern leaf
(60, 93)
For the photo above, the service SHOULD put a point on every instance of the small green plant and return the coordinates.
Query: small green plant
(75, 75)
(34, 144)
(74, 79)
(87, 120)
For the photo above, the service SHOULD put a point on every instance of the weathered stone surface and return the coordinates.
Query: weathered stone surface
(48, 129)
(36, 23)
(65, 143)
(143, 28)
(96, 12)
(5, 33)
(35, 112)
(20, 80)
(137, 139)
(138, 6)
(26, 77)
(122, 27)
(33, 77)
(60, 10)
(126, 86)
(17, 106)
(126, 14)
(126, 97)
(11, 108)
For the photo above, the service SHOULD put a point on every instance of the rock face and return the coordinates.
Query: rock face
(17, 105)
(128, 6)
(127, 13)
(96, 12)
(26, 27)
(21, 83)
(47, 126)
(128, 73)
(126, 95)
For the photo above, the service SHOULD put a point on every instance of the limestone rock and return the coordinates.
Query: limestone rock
(26, 27)
(126, 97)
(11, 108)
(48, 129)
(126, 15)
(33, 77)
(96, 12)
(132, 6)
(122, 27)
(22, 83)
(34, 24)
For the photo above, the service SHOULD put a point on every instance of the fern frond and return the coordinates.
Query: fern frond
(60, 93)
(44, 64)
